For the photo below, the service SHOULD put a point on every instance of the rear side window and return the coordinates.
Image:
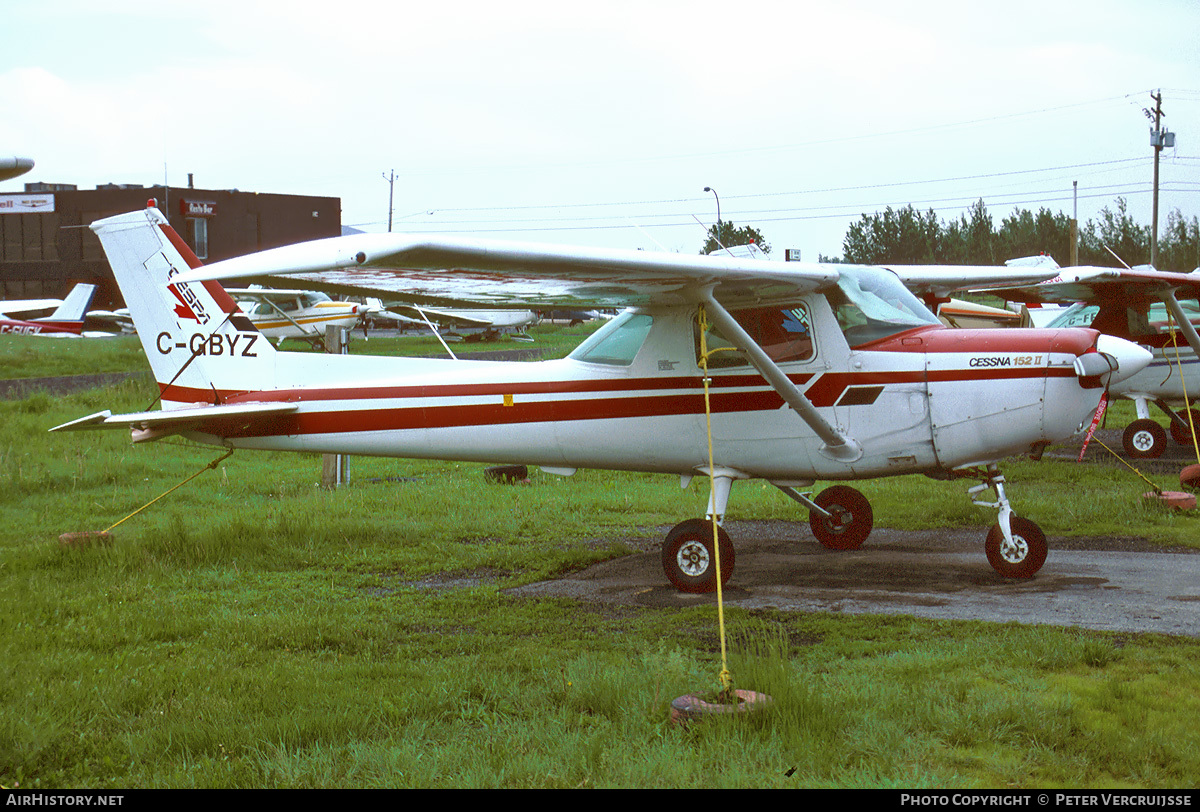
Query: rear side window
(784, 333)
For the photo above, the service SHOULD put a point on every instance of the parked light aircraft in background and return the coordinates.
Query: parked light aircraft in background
(960, 313)
(833, 372)
(1160, 311)
(485, 325)
(282, 314)
(66, 320)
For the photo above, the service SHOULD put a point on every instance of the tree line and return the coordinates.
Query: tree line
(906, 236)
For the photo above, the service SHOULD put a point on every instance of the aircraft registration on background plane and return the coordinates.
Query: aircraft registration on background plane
(724, 367)
(67, 320)
(1158, 310)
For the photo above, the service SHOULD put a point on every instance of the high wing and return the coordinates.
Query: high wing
(11, 307)
(112, 321)
(1087, 283)
(940, 281)
(450, 272)
(472, 318)
(284, 295)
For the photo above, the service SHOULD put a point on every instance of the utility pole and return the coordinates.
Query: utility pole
(1159, 138)
(1074, 259)
(391, 179)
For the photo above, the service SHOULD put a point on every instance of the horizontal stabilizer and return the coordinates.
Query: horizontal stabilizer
(175, 420)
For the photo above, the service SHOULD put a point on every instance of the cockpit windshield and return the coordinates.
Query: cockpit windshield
(616, 343)
(871, 304)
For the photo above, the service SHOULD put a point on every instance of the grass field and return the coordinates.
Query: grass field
(253, 630)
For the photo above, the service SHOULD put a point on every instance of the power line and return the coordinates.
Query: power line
(785, 215)
(665, 201)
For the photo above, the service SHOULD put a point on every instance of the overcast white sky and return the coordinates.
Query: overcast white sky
(602, 123)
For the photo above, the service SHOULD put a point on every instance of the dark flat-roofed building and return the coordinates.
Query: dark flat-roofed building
(46, 247)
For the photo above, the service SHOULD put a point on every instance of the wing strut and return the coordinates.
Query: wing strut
(1185, 324)
(837, 445)
(313, 334)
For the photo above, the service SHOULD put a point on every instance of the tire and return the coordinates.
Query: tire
(1181, 435)
(1189, 477)
(1144, 439)
(851, 522)
(688, 560)
(1024, 557)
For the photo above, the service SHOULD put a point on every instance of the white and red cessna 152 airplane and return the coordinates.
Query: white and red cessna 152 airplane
(830, 372)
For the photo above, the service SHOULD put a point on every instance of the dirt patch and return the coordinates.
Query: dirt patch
(1123, 584)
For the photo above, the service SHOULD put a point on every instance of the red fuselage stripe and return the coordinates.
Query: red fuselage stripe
(824, 392)
(41, 327)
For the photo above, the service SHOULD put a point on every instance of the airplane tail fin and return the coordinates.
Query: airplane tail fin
(75, 306)
(201, 347)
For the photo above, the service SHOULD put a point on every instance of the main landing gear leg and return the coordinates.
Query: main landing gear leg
(689, 557)
(1015, 547)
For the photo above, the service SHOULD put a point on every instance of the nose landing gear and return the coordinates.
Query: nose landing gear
(1015, 547)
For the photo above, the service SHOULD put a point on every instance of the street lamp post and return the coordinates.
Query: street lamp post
(714, 191)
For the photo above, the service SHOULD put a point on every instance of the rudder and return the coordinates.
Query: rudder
(75, 306)
(200, 345)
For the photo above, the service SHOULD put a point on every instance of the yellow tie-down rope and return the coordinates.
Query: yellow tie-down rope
(208, 467)
(725, 678)
(1186, 408)
(1183, 383)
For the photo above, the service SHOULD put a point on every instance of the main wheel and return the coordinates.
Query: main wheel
(1182, 435)
(1144, 439)
(689, 560)
(850, 519)
(1021, 558)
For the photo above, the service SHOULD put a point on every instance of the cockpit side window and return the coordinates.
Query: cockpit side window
(784, 333)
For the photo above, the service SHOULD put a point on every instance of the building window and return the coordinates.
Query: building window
(197, 229)
(29, 237)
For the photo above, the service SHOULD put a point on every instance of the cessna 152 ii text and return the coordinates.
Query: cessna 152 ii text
(803, 371)
(1158, 310)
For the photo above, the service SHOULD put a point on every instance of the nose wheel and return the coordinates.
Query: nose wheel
(1019, 555)
(1144, 439)
(1015, 547)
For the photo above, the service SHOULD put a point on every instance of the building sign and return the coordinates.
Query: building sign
(26, 204)
(197, 208)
